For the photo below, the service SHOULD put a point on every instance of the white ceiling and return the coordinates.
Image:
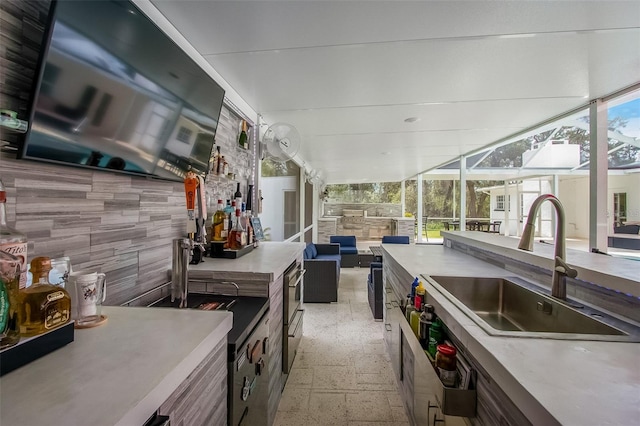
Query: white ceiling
(347, 73)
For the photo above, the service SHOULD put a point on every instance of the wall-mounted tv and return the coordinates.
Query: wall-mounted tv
(115, 92)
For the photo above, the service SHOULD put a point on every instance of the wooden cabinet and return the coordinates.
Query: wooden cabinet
(202, 398)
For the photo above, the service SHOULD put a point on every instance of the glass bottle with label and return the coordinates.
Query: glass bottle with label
(217, 162)
(11, 240)
(243, 138)
(238, 196)
(426, 319)
(446, 364)
(420, 296)
(250, 234)
(246, 224)
(237, 236)
(219, 231)
(9, 300)
(44, 306)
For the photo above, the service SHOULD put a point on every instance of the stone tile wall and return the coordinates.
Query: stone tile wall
(326, 228)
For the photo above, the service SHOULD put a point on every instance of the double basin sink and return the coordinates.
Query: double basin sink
(517, 308)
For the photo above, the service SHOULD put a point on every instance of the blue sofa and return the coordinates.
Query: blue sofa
(348, 249)
(322, 276)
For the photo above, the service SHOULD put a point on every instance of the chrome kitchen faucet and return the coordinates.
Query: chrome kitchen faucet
(560, 268)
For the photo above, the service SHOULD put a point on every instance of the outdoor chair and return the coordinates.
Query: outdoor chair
(322, 263)
(348, 249)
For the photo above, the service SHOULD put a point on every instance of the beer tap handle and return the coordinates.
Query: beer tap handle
(190, 188)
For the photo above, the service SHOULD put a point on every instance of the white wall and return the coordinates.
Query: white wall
(574, 194)
(273, 203)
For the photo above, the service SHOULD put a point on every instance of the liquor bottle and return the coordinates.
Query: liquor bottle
(237, 236)
(9, 300)
(11, 240)
(219, 230)
(238, 196)
(250, 198)
(225, 166)
(44, 306)
(218, 161)
(229, 221)
(246, 224)
(243, 140)
(251, 238)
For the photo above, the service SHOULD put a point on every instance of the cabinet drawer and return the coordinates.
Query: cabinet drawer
(428, 388)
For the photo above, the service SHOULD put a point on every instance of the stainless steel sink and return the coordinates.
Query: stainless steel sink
(514, 307)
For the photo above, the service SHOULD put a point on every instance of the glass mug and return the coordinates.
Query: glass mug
(90, 290)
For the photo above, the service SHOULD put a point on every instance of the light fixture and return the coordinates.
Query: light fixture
(411, 119)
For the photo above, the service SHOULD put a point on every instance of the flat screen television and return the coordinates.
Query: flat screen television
(115, 92)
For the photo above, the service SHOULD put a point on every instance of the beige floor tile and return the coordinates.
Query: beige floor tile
(378, 387)
(334, 378)
(376, 346)
(368, 363)
(394, 399)
(294, 399)
(300, 378)
(328, 408)
(287, 418)
(369, 406)
(360, 423)
(399, 414)
(377, 378)
(326, 357)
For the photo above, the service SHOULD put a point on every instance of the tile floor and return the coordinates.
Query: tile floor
(342, 375)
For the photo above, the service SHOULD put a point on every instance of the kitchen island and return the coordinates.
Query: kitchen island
(121, 372)
(542, 381)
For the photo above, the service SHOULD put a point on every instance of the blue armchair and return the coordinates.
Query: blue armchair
(348, 249)
(374, 289)
(322, 277)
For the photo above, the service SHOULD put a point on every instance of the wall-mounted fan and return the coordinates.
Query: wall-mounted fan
(281, 142)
